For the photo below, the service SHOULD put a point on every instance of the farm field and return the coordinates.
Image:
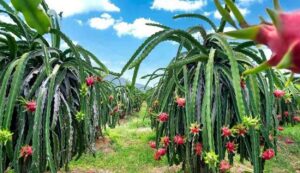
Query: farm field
(152, 86)
(126, 150)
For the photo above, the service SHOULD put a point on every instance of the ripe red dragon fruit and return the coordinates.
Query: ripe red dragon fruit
(152, 144)
(162, 151)
(230, 146)
(268, 154)
(26, 151)
(283, 39)
(180, 102)
(286, 113)
(159, 153)
(224, 166)
(296, 118)
(163, 117)
(166, 141)
(157, 156)
(226, 132)
(195, 128)
(179, 140)
(279, 93)
(198, 149)
(90, 81)
(280, 128)
(30, 106)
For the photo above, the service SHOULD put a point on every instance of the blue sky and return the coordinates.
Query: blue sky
(113, 29)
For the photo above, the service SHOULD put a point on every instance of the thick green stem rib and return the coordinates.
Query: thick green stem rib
(257, 69)
(288, 82)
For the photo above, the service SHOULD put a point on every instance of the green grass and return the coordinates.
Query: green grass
(130, 151)
(288, 158)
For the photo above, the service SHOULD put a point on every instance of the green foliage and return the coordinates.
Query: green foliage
(33, 14)
(54, 81)
(207, 73)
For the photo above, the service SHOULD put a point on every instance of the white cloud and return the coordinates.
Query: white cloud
(103, 22)
(6, 19)
(73, 7)
(244, 12)
(137, 29)
(178, 5)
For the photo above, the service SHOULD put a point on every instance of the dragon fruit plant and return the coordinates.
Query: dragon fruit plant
(53, 103)
(205, 110)
(129, 100)
(286, 100)
(282, 37)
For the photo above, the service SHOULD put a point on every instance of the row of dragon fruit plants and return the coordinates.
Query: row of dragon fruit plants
(212, 103)
(53, 103)
(220, 98)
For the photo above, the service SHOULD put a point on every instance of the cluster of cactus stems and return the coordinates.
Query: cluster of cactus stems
(53, 102)
(204, 109)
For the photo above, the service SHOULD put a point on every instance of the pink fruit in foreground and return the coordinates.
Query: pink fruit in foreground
(198, 149)
(268, 154)
(152, 144)
(26, 151)
(226, 132)
(180, 102)
(30, 106)
(163, 117)
(224, 166)
(279, 93)
(283, 39)
(286, 113)
(230, 146)
(179, 140)
(90, 81)
(165, 140)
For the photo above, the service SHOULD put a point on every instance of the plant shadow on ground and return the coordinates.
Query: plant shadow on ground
(125, 150)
